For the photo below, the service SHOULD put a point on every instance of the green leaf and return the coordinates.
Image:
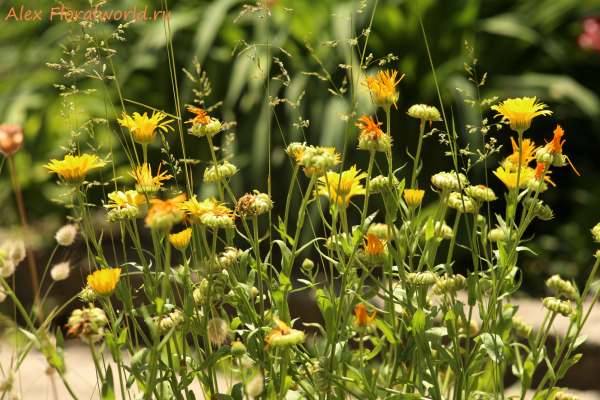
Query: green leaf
(580, 340)
(418, 322)
(566, 365)
(429, 230)
(108, 386)
(471, 286)
(214, 358)
(494, 347)
(237, 392)
(527, 374)
(387, 331)
(327, 310)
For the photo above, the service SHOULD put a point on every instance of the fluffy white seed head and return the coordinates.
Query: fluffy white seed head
(15, 250)
(61, 271)
(218, 331)
(256, 385)
(65, 236)
(8, 269)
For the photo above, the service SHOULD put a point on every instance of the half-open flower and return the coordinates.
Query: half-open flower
(143, 128)
(383, 89)
(363, 324)
(521, 111)
(342, 189)
(371, 137)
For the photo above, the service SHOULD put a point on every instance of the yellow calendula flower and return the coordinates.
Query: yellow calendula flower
(165, 213)
(520, 112)
(127, 198)
(527, 155)
(510, 178)
(146, 183)
(74, 168)
(181, 240)
(104, 281)
(195, 209)
(144, 128)
(383, 89)
(341, 190)
(413, 197)
(209, 213)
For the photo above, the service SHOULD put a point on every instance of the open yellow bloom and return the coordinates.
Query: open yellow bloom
(144, 128)
(209, 212)
(520, 112)
(104, 281)
(128, 198)
(510, 178)
(527, 155)
(196, 209)
(146, 183)
(74, 168)
(413, 197)
(383, 89)
(341, 190)
(182, 239)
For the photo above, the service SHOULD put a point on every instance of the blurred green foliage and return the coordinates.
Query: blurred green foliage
(527, 47)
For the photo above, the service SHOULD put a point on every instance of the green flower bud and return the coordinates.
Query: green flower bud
(561, 287)
(379, 184)
(124, 213)
(317, 160)
(554, 159)
(596, 232)
(88, 295)
(238, 349)
(565, 396)
(497, 234)
(295, 147)
(226, 170)
(456, 201)
(320, 375)
(204, 290)
(538, 209)
(480, 193)
(217, 221)
(481, 221)
(562, 307)
(227, 258)
(426, 278)
(448, 181)
(166, 221)
(381, 143)
(254, 204)
(308, 264)
(425, 112)
(473, 328)
(446, 284)
(211, 128)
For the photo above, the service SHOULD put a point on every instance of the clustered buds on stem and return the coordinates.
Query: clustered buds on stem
(254, 204)
(596, 232)
(124, 213)
(225, 170)
(316, 160)
(88, 295)
(380, 184)
(473, 327)
(86, 322)
(480, 193)
(497, 235)
(538, 209)
(449, 181)
(445, 233)
(425, 278)
(425, 112)
(521, 329)
(561, 287)
(446, 284)
(456, 201)
(166, 322)
(205, 291)
(562, 307)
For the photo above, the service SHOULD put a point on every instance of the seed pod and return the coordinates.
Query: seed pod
(561, 287)
(449, 181)
(423, 111)
(319, 374)
(456, 201)
(562, 307)
(204, 290)
(480, 193)
(379, 184)
(226, 170)
(426, 278)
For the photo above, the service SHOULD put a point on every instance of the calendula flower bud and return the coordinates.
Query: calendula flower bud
(481, 221)
(521, 329)
(224, 170)
(86, 322)
(238, 349)
(422, 111)
(295, 147)
(376, 251)
(473, 327)
(65, 236)
(413, 197)
(211, 128)
(446, 231)
(317, 160)
(256, 385)
(88, 295)
(562, 307)
(227, 258)
(497, 234)
(380, 184)
(561, 287)
(381, 231)
(214, 292)
(425, 278)
(596, 232)
(124, 213)
(538, 209)
(447, 284)
(480, 193)
(60, 271)
(565, 396)
(216, 221)
(11, 138)
(320, 375)
(255, 291)
(456, 201)
(308, 264)
(449, 181)
(371, 137)
(166, 322)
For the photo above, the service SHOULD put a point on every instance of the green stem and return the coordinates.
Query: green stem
(414, 173)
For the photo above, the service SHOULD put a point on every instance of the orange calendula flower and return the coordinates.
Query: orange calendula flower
(342, 190)
(283, 335)
(201, 116)
(147, 184)
(74, 168)
(383, 89)
(363, 324)
(372, 138)
(165, 213)
(144, 128)
(373, 245)
(510, 178)
(527, 154)
(539, 171)
(552, 152)
(104, 281)
(371, 129)
(520, 112)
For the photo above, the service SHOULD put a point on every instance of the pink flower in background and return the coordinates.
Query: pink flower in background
(590, 38)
